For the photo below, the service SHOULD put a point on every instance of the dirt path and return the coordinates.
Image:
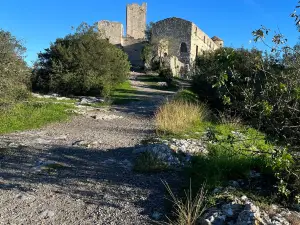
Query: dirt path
(95, 183)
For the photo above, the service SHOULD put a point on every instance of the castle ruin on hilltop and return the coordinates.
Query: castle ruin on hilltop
(182, 40)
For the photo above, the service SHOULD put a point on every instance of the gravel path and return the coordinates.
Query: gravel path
(94, 183)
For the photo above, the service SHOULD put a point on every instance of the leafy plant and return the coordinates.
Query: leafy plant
(14, 73)
(258, 88)
(81, 63)
(167, 75)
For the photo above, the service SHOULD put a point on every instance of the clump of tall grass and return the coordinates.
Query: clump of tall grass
(177, 116)
(187, 211)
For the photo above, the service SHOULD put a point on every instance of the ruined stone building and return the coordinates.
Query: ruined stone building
(134, 40)
(180, 40)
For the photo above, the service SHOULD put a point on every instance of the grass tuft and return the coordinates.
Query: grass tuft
(187, 211)
(177, 116)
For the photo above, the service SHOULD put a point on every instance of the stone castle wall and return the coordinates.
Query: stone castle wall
(113, 31)
(172, 37)
(136, 20)
(133, 47)
(178, 31)
(202, 40)
(175, 31)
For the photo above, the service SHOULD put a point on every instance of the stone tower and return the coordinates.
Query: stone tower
(136, 20)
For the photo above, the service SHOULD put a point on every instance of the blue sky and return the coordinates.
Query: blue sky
(38, 23)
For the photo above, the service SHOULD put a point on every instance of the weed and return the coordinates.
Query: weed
(148, 162)
(187, 211)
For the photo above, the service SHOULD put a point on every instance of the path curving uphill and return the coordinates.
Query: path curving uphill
(80, 171)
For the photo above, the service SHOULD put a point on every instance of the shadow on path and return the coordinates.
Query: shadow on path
(104, 178)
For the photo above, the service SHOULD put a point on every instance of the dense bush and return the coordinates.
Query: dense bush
(81, 63)
(167, 75)
(14, 74)
(262, 89)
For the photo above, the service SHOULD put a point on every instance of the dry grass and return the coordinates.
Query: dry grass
(229, 119)
(177, 116)
(187, 211)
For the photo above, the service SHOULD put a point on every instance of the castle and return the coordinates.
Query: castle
(182, 40)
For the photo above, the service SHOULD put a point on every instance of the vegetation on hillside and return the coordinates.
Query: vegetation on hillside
(261, 89)
(14, 73)
(254, 123)
(235, 152)
(81, 64)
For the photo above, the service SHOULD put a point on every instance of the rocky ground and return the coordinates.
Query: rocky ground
(79, 172)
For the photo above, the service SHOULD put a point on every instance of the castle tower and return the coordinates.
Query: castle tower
(136, 20)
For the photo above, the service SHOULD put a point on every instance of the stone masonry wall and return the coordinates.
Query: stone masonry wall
(136, 20)
(113, 31)
(133, 47)
(202, 40)
(175, 31)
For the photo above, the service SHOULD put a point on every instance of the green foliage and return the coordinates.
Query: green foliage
(148, 162)
(32, 115)
(81, 63)
(167, 75)
(186, 95)
(233, 152)
(148, 31)
(14, 74)
(262, 89)
(147, 54)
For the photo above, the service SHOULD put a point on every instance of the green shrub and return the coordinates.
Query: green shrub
(167, 75)
(234, 151)
(261, 89)
(187, 96)
(14, 74)
(80, 64)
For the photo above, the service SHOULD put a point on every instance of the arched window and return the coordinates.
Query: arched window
(165, 54)
(183, 47)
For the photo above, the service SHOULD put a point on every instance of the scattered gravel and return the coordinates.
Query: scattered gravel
(80, 171)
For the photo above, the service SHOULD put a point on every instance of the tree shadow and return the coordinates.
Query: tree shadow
(100, 177)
